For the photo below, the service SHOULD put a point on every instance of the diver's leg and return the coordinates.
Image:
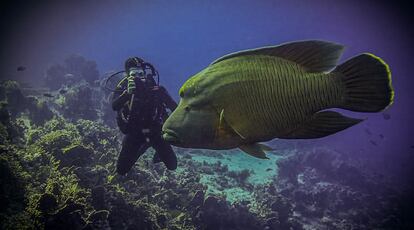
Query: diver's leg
(164, 152)
(156, 158)
(132, 148)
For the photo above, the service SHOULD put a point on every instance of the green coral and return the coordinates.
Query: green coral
(98, 136)
(12, 96)
(55, 141)
(80, 102)
(40, 112)
(76, 155)
(13, 192)
(69, 180)
(64, 184)
(4, 135)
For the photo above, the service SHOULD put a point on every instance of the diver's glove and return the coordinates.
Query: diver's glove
(131, 85)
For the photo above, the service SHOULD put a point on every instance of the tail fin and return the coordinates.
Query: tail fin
(367, 80)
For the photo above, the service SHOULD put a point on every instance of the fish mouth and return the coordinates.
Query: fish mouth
(170, 136)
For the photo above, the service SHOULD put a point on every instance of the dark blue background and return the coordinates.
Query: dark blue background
(182, 37)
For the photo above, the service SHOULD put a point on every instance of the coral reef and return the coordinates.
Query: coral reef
(79, 102)
(320, 190)
(74, 69)
(57, 161)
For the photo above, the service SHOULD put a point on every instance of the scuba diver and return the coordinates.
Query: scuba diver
(141, 105)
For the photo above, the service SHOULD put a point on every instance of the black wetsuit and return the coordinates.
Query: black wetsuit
(143, 129)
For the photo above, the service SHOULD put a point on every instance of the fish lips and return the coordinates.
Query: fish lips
(170, 136)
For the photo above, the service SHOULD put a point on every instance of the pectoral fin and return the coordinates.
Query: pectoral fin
(222, 122)
(265, 147)
(255, 150)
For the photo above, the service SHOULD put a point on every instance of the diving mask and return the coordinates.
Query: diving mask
(138, 73)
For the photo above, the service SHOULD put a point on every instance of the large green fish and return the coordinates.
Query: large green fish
(282, 91)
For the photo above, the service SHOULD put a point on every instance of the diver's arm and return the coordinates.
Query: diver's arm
(120, 95)
(120, 99)
(167, 99)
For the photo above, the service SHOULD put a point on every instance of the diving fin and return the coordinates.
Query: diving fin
(255, 150)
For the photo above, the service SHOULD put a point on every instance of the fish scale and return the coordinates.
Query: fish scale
(257, 98)
(263, 121)
(271, 101)
(273, 91)
(304, 93)
(276, 111)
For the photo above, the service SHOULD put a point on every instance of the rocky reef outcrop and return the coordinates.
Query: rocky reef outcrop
(321, 189)
(57, 162)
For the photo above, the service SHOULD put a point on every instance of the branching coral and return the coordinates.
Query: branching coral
(57, 166)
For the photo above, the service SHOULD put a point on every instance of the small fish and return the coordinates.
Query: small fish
(268, 169)
(21, 68)
(284, 91)
(373, 142)
(63, 91)
(381, 136)
(48, 95)
(386, 116)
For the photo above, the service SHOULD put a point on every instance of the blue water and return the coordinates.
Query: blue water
(180, 38)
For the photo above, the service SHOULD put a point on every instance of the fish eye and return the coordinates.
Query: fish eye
(187, 108)
(181, 92)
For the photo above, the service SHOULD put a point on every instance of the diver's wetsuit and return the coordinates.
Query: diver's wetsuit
(143, 129)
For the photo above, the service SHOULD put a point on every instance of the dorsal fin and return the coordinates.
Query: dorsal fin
(313, 55)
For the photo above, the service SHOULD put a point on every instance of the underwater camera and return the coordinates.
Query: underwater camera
(148, 72)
